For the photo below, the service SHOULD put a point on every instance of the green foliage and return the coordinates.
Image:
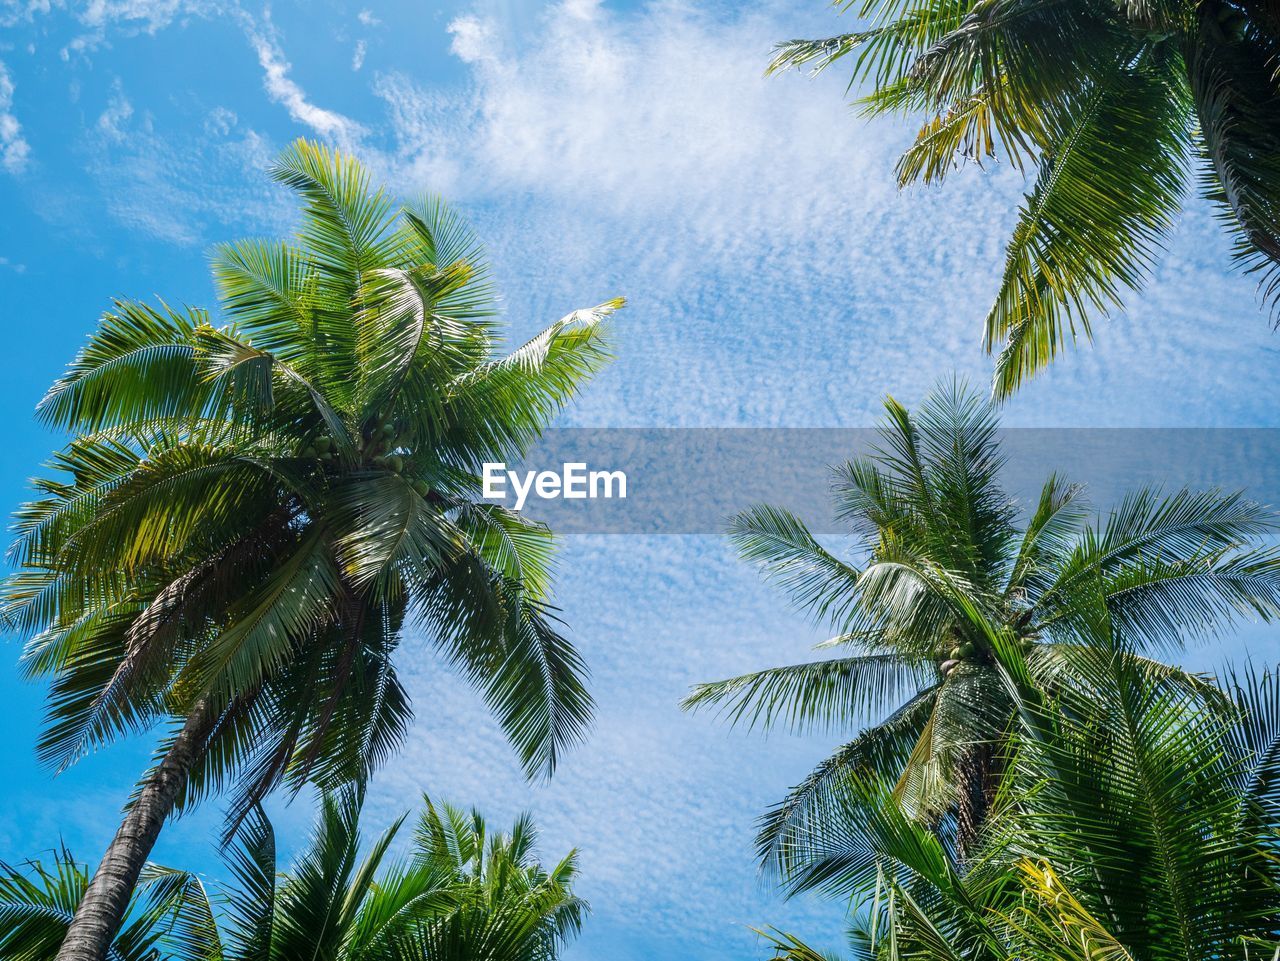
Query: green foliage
(169, 917)
(253, 503)
(957, 607)
(1119, 106)
(460, 893)
(1132, 824)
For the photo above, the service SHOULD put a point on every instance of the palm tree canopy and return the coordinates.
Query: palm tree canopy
(37, 902)
(253, 505)
(460, 893)
(1133, 825)
(1119, 105)
(950, 573)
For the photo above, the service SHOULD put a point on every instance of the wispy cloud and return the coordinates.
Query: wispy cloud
(150, 184)
(643, 153)
(14, 149)
(13, 12)
(129, 17)
(149, 15)
(119, 110)
(650, 113)
(757, 226)
(220, 121)
(282, 89)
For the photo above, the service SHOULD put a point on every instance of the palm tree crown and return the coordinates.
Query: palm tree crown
(951, 573)
(1119, 105)
(251, 509)
(1133, 825)
(461, 893)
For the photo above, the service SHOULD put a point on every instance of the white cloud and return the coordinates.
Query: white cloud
(150, 184)
(220, 121)
(757, 227)
(14, 149)
(648, 115)
(367, 18)
(119, 111)
(643, 153)
(131, 17)
(474, 39)
(358, 55)
(13, 12)
(149, 15)
(282, 89)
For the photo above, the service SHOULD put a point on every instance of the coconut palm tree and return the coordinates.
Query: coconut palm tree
(945, 555)
(462, 893)
(506, 905)
(1118, 105)
(38, 901)
(1134, 825)
(250, 510)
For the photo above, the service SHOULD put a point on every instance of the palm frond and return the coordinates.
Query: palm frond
(1095, 221)
(780, 543)
(883, 747)
(819, 694)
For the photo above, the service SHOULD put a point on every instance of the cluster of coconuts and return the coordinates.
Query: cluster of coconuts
(962, 652)
(383, 440)
(957, 654)
(323, 448)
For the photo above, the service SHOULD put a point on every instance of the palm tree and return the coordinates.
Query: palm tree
(946, 557)
(506, 905)
(1134, 825)
(462, 893)
(249, 512)
(167, 912)
(1118, 105)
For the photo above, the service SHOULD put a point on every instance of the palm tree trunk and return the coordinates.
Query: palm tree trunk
(978, 779)
(101, 911)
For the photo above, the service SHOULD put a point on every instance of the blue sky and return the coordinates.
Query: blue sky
(775, 277)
